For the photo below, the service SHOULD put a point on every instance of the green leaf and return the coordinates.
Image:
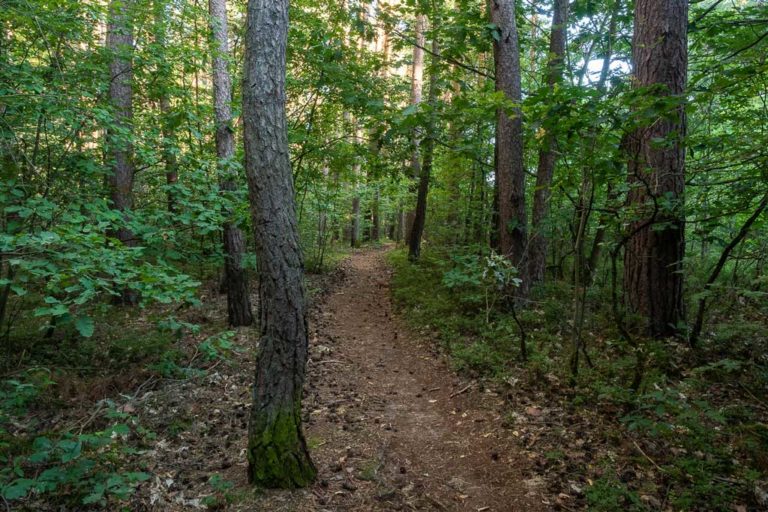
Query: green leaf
(96, 495)
(17, 489)
(84, 325)
(71, 450)
(137, 476)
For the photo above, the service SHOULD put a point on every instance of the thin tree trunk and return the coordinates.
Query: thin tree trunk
(701, 308)
(510, 170)
(548, 152)
(169, 155)
(653, 260)
(417, 86)
(383, 44)
(164, 81)
(120, 133)
(235, 277)
(277, 450)
(354, 237)
(420, 216)
(597, 242)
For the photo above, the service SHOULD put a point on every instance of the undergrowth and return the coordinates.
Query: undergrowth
(697, 415)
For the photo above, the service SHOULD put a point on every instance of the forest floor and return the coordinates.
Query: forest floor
(390, 426)
(390, 423)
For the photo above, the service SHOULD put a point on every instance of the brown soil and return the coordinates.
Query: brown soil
(389, 424)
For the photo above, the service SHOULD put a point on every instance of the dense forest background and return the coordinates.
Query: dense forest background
(575, 214)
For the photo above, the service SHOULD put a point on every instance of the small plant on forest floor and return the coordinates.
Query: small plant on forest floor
(609, 493)
(219, 346)
(84, 468)
(222, 493)
(370, 470)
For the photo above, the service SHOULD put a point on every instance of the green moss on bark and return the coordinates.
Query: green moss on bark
(277, 452)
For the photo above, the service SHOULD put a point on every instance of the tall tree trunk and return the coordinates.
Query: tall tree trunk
(354, 237)
(420, 216)
(400, 222)
(383, 45)
(164, 81)
(277, 450)
(120, 133)
(510, 171)
(653, 261)
(597, 242)
(548, 152)
(169, 155)
(417, 87)
(376, 216)
(235, 277)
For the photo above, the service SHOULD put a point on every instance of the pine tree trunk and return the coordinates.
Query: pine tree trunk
(354, 229)
(420, 215)
(592, 262)
(417, 87)
(510, 171)
(235, 277)
(277, 450)
(164, 81)
(548, 152)
(653, 261)
(120, 133)
(376, 217)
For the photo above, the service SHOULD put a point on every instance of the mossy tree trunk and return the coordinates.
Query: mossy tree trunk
(277, 451)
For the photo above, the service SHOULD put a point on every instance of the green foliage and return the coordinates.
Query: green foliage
(609, 493)
(79, 466)
(458, 298)
(351, 129)
(219, 346)
(82, 468)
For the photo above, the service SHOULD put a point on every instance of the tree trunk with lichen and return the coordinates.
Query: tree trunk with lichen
(277, 451)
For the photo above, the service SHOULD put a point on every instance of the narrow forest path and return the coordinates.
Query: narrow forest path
(390, 425)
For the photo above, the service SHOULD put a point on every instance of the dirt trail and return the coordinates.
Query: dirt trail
(391, 426)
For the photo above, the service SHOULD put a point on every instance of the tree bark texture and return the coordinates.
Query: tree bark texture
(653, 260)
(277, 450)
(235, 277)
(420, 216)
(597, 242)
(120, 132)
(548, 153)
(510, 171)
(417, 88)
(354, 237)
(164, 81)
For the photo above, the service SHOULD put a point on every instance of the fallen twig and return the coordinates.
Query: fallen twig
(647, 457)
(462, 390)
